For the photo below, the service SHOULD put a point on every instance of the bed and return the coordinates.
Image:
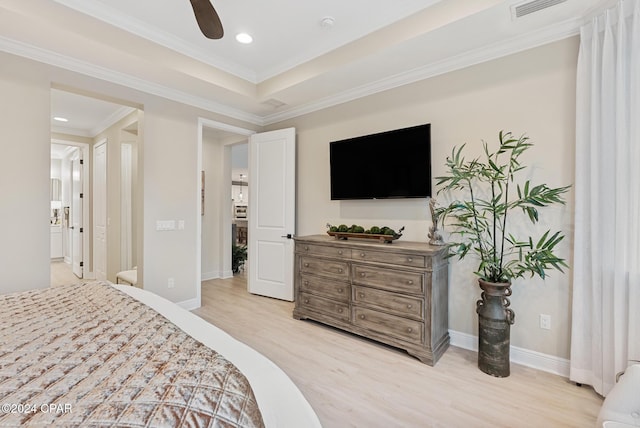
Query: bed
(101, 354)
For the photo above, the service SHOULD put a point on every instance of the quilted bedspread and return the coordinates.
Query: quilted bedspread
(91, 356)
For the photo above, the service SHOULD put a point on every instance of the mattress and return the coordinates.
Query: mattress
(100, 354)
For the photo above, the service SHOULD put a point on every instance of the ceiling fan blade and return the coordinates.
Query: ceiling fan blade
(207, 18)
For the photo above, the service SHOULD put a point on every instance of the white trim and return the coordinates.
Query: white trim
(501, 49)
(52, 58)
(190, 304)
(206, 276)
(526, 357)
(224, 127)
(198, 219)
(520, 43)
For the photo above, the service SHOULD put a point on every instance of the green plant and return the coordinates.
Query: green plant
(238, 257)
(480, 221)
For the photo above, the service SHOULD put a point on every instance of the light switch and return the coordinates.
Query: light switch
(162, 225)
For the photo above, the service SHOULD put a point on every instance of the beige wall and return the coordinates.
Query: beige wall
(24, 175)
(532, 92)
(169, 175)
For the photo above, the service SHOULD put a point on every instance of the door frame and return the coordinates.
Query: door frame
(225, 203)
(102, 142)
(86, 190)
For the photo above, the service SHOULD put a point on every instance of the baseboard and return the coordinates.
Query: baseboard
(190, 304)
(210, 275)
(525, 357)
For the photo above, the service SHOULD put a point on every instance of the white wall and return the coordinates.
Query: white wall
(532, 92)
(25, 169)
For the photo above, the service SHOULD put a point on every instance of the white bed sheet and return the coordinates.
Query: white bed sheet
(280, 401)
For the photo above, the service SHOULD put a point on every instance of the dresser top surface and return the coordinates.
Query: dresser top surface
(372, 244)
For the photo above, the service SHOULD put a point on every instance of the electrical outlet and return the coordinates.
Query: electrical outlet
(545, 321)
(171, 283)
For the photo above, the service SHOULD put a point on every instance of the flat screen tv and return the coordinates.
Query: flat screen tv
(392, 164)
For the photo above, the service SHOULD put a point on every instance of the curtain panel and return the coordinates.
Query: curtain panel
(605, 335)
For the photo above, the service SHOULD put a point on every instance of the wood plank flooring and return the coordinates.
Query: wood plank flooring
(354, 382)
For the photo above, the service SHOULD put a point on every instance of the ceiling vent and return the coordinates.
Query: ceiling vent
(528, 7)
(273, 103)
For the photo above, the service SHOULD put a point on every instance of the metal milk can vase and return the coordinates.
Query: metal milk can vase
(494, 328)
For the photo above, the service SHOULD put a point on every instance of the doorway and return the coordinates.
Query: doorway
(220, 144)
(107, 129)
(272, 210)
(69, 211)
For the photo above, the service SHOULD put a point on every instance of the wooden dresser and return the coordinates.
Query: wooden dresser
(393, 293)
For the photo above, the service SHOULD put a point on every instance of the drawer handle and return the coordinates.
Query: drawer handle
(340, 270)
(362, 254)
(361, 295)
(340, 310)
(306, 283)
(409, 259)
(306, 248)
(306, 300)
(361, 316)
(409, 330)
(409, 306)
(410, 282)
(362, 274)
(340, 252)
(340, 290)
(306, 265)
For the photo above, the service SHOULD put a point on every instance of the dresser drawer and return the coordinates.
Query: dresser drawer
(331, 268)
(329, 307)
(389, 279)
(391, 302)
(322, 250)
(410, 260)
(389, 325)
(326, 287)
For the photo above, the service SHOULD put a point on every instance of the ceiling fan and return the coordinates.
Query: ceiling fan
(208, 19)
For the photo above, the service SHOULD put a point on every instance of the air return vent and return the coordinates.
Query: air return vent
(528, 7)
(272, 102)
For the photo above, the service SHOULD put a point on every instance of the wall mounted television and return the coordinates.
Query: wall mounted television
(391, 164)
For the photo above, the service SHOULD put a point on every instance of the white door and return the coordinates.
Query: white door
(271, 213)
(76, 213)
(100, 211)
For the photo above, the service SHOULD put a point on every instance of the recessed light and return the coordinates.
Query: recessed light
(61, 119)
(244, 38)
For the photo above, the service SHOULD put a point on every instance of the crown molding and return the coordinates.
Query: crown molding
(119, 114)
(514, 45)
(135, 26)
(52, 58)
(57, 129)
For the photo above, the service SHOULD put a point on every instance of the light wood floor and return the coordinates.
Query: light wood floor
(354, 382)
(62, 274)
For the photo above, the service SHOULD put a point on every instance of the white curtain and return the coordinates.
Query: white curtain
(605, 333)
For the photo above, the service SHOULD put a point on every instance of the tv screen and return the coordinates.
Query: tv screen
(392, 164)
